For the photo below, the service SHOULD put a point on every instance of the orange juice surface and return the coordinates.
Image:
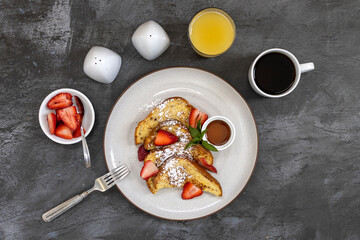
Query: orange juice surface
(211, 32)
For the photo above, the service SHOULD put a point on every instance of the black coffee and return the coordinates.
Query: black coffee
(274, 73)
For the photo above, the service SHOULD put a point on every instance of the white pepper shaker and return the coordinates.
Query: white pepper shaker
(150, 40)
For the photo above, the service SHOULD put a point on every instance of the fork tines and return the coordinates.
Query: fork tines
(116, 174)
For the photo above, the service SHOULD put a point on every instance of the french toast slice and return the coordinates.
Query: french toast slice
(159, 154)
(172, 126)
(178, 170)
(195, 152)
(172, 108)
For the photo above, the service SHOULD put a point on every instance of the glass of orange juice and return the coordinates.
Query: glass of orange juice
(211, 32)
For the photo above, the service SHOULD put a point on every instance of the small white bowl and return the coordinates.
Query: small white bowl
(88, 119)
(232, 130)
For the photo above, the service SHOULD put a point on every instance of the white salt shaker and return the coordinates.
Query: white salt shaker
(102, 64)
(150, 40)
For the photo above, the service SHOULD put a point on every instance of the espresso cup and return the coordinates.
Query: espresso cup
(276, 72)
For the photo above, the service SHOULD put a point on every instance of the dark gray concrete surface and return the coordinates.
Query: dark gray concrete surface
(306, 184)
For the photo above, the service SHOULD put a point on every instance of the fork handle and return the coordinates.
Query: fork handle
(63, 207)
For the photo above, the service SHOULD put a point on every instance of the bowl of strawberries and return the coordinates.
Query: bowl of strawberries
(63, 112)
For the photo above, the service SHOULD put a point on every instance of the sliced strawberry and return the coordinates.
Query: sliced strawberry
(77, 132)
(61, 100)
(57, 116)
(190, 191)
(51, 118)
(69, 117)
(165, 138)
(195, 116)
(63, 131)
(142, 153)
(207, 166)
(149, 169)
(79, 118)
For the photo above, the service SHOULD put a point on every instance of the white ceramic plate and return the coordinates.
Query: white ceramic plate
(210, 94)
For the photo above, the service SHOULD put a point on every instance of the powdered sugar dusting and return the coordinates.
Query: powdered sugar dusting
(150, 106)
(163, 104)
(181, 113)
(169, 112)
(170, 122)
(177, 148)
(177, 174)
(166, 111)
(174, 149)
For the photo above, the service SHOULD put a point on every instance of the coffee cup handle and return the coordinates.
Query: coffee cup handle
(306, 67)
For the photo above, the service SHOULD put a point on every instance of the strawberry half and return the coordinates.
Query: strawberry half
(142, 153)
(207, 166)
(77, 132)
(57, 116)
(149, 169)
(190, 191)
(63, 131)
(69, 117)
(79, 118)
(165, 138)
(195, 116)
(51, 118)
(61, 100)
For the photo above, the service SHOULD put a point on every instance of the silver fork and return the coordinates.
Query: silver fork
(101, 184)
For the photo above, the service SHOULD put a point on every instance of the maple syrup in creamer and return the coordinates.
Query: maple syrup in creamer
(218, 132)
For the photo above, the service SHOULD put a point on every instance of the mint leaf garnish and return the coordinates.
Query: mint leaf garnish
(199, 125)
(194, 132)
(208, 146)
(203, 133)
(198, 135)
(190, 144)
